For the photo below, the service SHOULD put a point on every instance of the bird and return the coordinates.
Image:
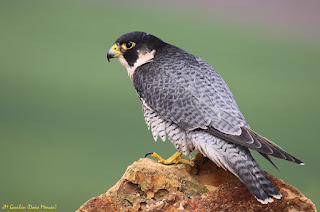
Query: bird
(185, 100)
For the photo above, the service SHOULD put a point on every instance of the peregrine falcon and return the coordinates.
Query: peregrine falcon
(185, 100)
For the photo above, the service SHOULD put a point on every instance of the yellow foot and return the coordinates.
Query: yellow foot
(174, 159)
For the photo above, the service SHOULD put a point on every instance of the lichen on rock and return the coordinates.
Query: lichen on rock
(150, 186)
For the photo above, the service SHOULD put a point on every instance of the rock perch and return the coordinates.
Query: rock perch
(150, 186)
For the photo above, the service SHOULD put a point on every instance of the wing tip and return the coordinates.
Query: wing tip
(295, 160)
(276, 151)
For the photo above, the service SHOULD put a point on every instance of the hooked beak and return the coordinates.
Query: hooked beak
(114, 52)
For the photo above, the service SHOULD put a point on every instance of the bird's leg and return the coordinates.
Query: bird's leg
(174, 159)
(200, 157)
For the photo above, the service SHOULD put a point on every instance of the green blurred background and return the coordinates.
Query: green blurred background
(71, 123)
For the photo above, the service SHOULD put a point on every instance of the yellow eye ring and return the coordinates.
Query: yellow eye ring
(128, 45)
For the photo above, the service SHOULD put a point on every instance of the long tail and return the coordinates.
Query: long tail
(238, 160)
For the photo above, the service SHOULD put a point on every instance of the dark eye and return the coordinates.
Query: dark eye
(128, 45)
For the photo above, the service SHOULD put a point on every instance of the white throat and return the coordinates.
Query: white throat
(144, 57)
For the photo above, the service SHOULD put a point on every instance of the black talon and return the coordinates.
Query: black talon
(198, 167)
(149, 153)
(204, 160)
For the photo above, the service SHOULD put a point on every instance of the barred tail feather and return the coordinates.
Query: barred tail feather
(238, 160)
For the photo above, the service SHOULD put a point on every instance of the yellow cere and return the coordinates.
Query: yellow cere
(115, 49)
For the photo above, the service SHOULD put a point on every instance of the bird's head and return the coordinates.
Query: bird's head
(134, 49)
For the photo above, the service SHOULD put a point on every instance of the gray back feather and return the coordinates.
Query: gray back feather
(184, 89)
